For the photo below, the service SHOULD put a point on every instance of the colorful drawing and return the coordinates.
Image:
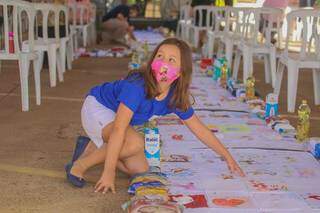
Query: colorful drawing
(169, 120)
(213, 128)
(306, 172)
(239, 200)
(267, 187)
(232, 202)
(312, 199)
(234, 128)
(176, 158)
(177, 137)
(190, 201)
(280, 201)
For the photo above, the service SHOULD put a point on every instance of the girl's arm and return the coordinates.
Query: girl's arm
(114, 145)
(205, 135)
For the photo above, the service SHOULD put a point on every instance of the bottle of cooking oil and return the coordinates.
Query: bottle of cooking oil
(250, 91)
(303, 122)
(135, 58)
(224, 75)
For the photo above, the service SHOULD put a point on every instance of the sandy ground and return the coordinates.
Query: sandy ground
(36, 145)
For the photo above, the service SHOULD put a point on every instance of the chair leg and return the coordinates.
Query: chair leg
(52, 56)
(76, 46)
(247, 64)
(316, 85)
(62, 52)
(196, 38)
(61, 57)
(267, 74)
(69, 54)
(278, 79)
(85, 36)
(37, 66)
(293, 72)
(220, 49)
(273, 62)
(229, 51)
(236, 64)
(24, 65)
(210, 45)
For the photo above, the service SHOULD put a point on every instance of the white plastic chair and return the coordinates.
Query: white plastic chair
(66, 44)
(235, 31)
(252, 45)
(18, 10)
(308, 55)
(92, 24)
(46, 44)
(203, 13)
(73, 31)
(82, 25)
(184, 19)
(220, 29)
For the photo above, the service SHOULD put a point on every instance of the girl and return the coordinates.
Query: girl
(110, 110)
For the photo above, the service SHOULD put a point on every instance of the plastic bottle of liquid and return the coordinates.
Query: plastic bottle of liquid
(224, 76)
(11, 42)
(135, 58)
(303, 126)
(250, 91)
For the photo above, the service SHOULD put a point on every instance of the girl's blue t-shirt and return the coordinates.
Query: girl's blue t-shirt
(131, 93)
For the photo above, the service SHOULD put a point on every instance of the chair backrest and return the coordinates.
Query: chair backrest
(219, 17)
(185, 12)
(235, 20)
(13, 12)
(272, 23)
(202, 16)
(79, 13)
(93, 12)
(303, 31)
(46, 13)
(251, 22)
(61, 11)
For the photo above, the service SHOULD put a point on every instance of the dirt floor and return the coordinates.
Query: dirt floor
(37, 144)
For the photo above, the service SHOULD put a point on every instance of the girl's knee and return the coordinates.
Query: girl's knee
(139, 170)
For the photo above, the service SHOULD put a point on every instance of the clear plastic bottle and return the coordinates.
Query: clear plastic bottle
(135, 58)
(224, 75)
(250, 91)
(303, 125)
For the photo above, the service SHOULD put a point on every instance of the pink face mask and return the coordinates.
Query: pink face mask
(164, 72)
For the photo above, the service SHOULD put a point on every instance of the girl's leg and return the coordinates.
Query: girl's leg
(131, 159)
(91, 147)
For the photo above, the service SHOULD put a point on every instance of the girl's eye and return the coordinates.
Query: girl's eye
(172, 60)
(159, 56)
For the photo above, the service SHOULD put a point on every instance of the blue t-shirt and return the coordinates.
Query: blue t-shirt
(131, 93)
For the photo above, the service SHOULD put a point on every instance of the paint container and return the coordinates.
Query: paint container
(152, 146)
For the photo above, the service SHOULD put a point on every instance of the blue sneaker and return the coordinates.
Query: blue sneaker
(81, 145)
(74, 180)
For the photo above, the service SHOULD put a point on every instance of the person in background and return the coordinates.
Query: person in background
(117, 22)
(306, 3)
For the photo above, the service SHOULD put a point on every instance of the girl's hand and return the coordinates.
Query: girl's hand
(234, 167)
(106, 183)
